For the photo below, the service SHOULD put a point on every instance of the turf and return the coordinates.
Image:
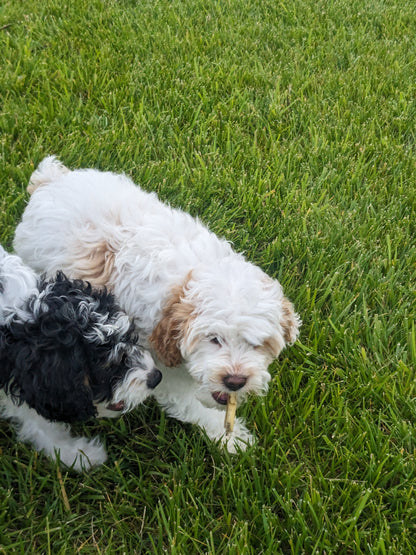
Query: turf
(289, 128)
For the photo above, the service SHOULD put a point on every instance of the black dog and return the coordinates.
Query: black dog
(67, 353)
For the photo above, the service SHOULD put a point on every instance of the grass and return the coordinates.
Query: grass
(289, 128)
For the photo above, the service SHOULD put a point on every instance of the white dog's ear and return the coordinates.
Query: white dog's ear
(289, 330)
(166, 337)
(290, 322)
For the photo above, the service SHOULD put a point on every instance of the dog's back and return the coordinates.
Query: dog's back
(17, 282)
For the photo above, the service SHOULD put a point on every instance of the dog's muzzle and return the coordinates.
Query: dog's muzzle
(154, 378)
(233, 383)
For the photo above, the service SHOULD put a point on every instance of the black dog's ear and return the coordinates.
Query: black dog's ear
(58, 390)
(51, 381)
(49, 359)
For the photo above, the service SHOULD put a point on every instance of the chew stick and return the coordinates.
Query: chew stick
(230, 414)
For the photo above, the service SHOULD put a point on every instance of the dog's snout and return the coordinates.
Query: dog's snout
(154, 378)
(234, 382)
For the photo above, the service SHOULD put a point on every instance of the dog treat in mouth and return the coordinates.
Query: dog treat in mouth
(230, 414)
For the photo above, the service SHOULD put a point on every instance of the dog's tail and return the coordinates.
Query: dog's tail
(50, 169)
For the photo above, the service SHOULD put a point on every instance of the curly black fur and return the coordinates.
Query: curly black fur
(58, 353)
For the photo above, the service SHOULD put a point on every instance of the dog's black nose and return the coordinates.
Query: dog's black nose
(154, 378)
(234, 382)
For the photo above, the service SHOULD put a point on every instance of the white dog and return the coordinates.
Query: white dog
(67, 354)
(214, 321)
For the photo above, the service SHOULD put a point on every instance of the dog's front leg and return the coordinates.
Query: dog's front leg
(53, 438)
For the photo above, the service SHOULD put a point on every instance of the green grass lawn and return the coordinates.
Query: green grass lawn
(289, 128)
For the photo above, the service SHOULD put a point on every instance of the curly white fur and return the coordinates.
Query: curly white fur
(214, 320)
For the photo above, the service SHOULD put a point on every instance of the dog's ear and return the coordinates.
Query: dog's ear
(289, 325)
(49, 365)
(290, 322)
(176, 318)
(54, 384)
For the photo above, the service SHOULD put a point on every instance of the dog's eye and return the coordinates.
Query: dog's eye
(215, 341)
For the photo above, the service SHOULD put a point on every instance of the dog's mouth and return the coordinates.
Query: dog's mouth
(220, 398)
(116, 407)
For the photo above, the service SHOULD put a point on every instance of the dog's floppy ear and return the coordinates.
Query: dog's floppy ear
(49, 368)
(66, 398)
(289, 325)
(170, 331)
(53, 385)
(290, 322)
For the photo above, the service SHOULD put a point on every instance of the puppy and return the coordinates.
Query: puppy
(214, 321)
(67, 354)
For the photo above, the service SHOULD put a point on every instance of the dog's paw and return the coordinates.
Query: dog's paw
(83, 454)
(239, 439)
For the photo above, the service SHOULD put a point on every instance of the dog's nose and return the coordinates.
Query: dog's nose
(154, 378)
(234, 382)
